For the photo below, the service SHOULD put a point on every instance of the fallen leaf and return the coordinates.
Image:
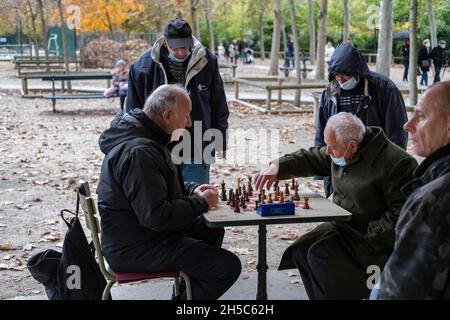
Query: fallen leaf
(3, 225)
(292, 274)
(40, 183)
(5, 247)
(7, 257)
(295, 281)
(290, 235)
(241, 251)
(23, 206)
(28, 247)
(5, 203)
(237, 230)
(251, 261)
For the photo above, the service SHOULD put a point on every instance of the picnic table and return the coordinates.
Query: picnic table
(75, 76)
(44, 65)
(320, 210)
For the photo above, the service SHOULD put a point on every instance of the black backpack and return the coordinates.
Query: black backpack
(73, 274)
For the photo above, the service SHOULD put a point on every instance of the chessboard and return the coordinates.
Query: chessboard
(266, 202)
(239, 205)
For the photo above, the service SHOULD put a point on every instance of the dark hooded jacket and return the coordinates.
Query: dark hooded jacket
(203, 84)
(382, 106)
(142, 200)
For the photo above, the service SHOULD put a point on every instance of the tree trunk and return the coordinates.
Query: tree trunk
(194, 18)
(43, 31)
(209, 25)
(35, 37)
(273, 70)
(261, 35)
(283, 33)
(412, 72)
(384, 54)
(296, 50)
(345, 32)
(322, 38)
(64, 41)
(110, 24)
(312, 32)
(432, 22)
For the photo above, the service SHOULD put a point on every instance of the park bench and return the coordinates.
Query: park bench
(75, 76)
(287, 68)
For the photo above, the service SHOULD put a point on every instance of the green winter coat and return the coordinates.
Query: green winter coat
(368, 187)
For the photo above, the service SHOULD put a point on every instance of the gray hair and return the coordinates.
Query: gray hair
(346, 127)
(162, 98)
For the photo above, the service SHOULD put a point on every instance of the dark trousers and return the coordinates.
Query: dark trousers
(311, 258)
(437, 73)
(405, 72)
(212, 270)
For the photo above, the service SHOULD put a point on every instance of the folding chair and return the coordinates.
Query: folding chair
(88, 207)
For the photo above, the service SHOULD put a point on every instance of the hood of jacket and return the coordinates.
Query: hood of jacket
(127, 126)
(346, 59)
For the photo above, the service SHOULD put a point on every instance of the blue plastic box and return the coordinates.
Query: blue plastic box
(276, 209)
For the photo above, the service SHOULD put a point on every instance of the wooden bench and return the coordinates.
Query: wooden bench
(44, 65)
(75, 76)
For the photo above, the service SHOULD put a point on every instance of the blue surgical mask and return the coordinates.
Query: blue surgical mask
(349, 84)
(341, 160)
(172, 58)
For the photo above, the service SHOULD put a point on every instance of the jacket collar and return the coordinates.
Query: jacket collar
(333, 89)
(196, 62)
(152, 130)
(372, 144)
(424, 172)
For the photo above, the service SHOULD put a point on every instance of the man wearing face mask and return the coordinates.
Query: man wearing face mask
(367, 171)
(178, 58)
(372, 97)
(439, 56)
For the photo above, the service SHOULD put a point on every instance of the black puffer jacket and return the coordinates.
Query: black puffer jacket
(142, 200)
(382, 106)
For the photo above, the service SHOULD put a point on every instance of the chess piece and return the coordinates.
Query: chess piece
(249, 187)
(230, 197)
(223, 195)
(293, 184)
(246, 197)
(275, 186)
(263, 196)
(243, 206)
(256, 204)
(306, 203)
(286, 189)
(236, 205)
(281, 198)
(296, 196)
(259, 198)
(238, 183)
(270, 198)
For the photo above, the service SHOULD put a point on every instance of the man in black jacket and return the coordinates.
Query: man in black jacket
(439, 56)
(369, 95)
(177, 57)
(151, 220)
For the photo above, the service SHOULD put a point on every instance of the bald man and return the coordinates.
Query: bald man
(419, 266)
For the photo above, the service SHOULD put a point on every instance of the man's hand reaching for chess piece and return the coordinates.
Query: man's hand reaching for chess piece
(266, 177)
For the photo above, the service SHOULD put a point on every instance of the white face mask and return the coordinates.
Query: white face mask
(349, 84)
(427, 45)
(341, 160)
(442, 46)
